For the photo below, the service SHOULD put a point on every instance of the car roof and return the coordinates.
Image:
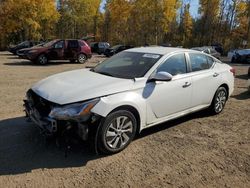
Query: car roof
(159, 50)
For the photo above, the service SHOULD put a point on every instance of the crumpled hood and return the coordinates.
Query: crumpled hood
(79, 85)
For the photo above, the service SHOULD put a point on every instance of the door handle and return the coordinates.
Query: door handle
(215, 74)
(187, 84)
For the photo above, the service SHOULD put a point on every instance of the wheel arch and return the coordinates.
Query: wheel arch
(83, 54)
(222, 85)
(42, 53)
(134, 111)
(226, 87)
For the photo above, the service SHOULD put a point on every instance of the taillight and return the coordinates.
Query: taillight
(232, 70)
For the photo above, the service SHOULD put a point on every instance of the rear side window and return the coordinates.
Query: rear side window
(198, 62)
(174, 65)
(83, 44)
(73, 44)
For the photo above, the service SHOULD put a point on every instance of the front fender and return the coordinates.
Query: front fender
(133, 99)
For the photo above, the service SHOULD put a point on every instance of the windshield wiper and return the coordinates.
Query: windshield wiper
(109, 74)
(106, 73)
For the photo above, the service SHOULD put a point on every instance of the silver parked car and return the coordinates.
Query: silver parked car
(209, 50)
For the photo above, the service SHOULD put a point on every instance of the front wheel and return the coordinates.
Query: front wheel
(219, 100)
(82, 58)
(116, 132)
(42, 59)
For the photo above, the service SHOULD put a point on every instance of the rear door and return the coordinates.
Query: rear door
(72, 50)
(205, 78)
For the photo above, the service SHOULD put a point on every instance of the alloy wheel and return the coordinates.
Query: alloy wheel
(119, 132)
(43, 59)
(220, 101)
(82, 58)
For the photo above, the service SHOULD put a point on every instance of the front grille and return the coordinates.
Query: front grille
(42, 105)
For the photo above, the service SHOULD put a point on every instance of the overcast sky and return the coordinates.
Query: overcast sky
(194, 5)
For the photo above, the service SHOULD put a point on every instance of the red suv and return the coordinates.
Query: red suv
(71, 49)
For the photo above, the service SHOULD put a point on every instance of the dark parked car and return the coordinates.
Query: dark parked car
(208, 50)
(241, 56)
(99, 47)
(70, 49)
(116, 49)
(23, 52)
(218, 47)
(25, 44)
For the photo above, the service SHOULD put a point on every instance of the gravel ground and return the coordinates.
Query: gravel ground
(194, 151)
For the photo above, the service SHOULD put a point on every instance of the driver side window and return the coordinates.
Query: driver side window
(174, 65)
(59, 45)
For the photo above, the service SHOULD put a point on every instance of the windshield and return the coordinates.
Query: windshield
(49, 43)
(244, 52)
(127, 65)
(25, 43)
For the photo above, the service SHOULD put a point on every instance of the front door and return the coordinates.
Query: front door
(57, 51)
(167, 98)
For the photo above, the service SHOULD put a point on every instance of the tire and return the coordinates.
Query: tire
(219, 101)
(42, 59)
(248, 73)
(233, 60)
(113, 138)
(82, 58)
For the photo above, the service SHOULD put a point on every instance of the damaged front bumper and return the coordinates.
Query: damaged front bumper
(34, 108)
(48, 125)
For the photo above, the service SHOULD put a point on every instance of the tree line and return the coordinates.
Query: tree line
(135, 22)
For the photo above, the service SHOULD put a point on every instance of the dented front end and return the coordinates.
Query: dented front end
(54, 119)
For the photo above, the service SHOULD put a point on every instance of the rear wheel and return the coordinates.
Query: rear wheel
(42, 59)
(81, 58)
(219, 100)
(116, 132)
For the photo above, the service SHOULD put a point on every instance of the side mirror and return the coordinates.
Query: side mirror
(161, 76)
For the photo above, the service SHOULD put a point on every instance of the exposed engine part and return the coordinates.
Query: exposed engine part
(83, 131)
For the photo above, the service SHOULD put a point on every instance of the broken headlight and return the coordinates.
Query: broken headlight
(73, 111)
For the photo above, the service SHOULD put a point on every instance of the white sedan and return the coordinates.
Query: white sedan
(135, 89)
